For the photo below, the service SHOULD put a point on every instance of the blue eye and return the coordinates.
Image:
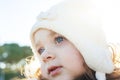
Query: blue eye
(59, 39)
(41, 50)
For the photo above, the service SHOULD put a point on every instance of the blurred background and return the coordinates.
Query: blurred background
(16, 20)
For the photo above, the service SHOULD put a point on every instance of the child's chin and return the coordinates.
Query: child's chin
(63, 76)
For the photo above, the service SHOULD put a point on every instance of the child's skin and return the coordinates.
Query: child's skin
(60, 60)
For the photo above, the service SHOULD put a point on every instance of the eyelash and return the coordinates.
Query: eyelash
(41, 50)
(58, 40)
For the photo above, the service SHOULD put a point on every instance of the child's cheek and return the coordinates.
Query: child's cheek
(44, 71)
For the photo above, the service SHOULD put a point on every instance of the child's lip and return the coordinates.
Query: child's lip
(53, 70)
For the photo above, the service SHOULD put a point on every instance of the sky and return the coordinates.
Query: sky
(18, 16)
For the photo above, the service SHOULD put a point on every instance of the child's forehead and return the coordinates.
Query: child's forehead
(42, 31)
(43, 34)
(45, 31)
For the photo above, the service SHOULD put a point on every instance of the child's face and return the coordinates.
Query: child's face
(60, 59)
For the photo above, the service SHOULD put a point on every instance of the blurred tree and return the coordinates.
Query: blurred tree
(1, 49)
(12, 53)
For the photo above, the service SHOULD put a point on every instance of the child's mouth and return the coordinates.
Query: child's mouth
(54, 70)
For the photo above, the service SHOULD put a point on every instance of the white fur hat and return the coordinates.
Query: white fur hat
(80, 22)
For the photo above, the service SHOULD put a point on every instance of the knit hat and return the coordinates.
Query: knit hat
(80, 22)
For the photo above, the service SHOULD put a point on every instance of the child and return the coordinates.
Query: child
(69, 44)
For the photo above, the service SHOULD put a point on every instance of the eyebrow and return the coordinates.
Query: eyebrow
(52, 33)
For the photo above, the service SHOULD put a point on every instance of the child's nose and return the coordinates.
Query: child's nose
(48, 56)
